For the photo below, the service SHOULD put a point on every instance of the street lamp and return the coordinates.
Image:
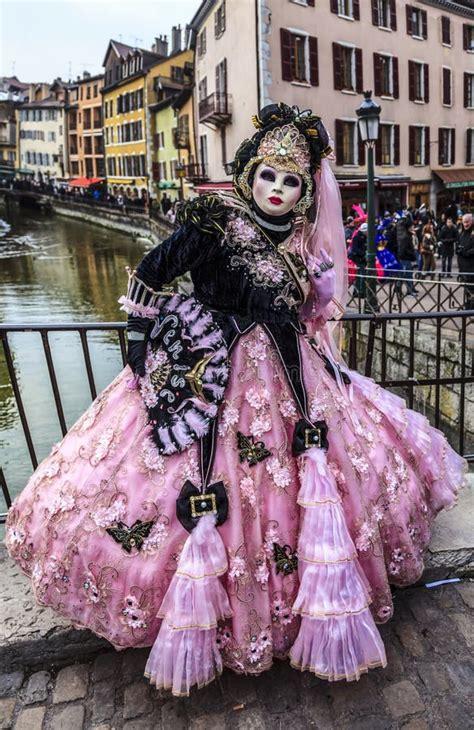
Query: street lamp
(369, 124)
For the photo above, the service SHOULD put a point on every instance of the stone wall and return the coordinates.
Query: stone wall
(397, 368)
(137, 225)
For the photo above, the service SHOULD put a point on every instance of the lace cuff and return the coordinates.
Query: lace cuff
(141, 300)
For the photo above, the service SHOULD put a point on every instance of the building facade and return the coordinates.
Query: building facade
(418, 60)
(84, 127)
(226, 85)
(41, 132)
(127, 139)
(12, 93)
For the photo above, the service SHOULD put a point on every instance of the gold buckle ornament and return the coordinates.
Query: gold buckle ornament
(312, 437)
(203, 504)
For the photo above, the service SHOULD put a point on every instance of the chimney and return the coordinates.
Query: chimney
(86, 75)
(187, 37)
(161, 45)
(175, 38)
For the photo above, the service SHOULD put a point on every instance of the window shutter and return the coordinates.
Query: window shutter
(424, 24)
(310, 3)
(411, 145)
(358, 69)
(466, 89)
(334, 6)
(361, 148)
(285, 49)
(409, 20)
(375, 12)
(427, 145)
(465, 37)
(446, 86)
(337, 65)
(339, 142)
(440, 146)
(313, 61)
(377, 75)
(393, 15)
(396, 144)
(426, 71)
(396, 85)
(445, 29)
(378, 149)
(356, 9)
(469, 159)
(453, 146)
(411, 80)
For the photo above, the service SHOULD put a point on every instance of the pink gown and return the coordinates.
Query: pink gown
(303, 564)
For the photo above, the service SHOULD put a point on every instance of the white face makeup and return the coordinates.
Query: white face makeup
(276, 192)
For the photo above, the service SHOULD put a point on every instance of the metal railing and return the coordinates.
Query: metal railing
(377, 331)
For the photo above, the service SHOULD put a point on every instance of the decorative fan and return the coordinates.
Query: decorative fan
(186, 371)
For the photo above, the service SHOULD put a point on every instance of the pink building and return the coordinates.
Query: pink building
(418, 58)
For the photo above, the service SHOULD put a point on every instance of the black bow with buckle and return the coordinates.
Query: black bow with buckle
(193, 504)
(306, 436)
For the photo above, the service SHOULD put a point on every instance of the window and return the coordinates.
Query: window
(88, 94)
(419, 145)
(51, 136)
(177, 73)
(221, 77)
(219, 20)
(445, 30)
(162, 170)
(346, 142)
(347, 68)
(417, 22)
(387, 147)
(111, 170)
(470, 146)
(346, 8)
(160, 140)
(446, 146)
(468, 90)
(468, 37)
(202, 89)
(384, 14)
(203, 149)
(202, 43)
(299, 57)
(418, 81)
(96, 91)
(386, 75)
(447, 86)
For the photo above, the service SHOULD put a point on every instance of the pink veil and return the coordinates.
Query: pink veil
(327, 232)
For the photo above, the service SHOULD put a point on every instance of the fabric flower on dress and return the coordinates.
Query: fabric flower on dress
(280, 474)
(238, 567)
(102, 445)
(281, 612)
(257, 398)
(115, 512)
(247, 490)
(62, 503)
(230, 416)
(156, 539)
(287, 408)
(256, 348)
(365, 536)
(242, 230)
(261, 573)
(150, 457)
(134, 616)
(257, 646)
(223, 638)
(260, 425)
(271, 536)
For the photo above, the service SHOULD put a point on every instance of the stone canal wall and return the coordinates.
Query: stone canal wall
(397, 368)
(137, 225)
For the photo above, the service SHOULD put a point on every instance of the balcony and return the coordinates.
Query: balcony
(181, 139)
(216, 109)
(196, 173)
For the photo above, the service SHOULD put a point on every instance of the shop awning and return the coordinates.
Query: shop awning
(205, 187)
(23, 171)
(463, 178)
(85, 182)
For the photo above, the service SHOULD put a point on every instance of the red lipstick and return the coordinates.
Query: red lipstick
(275, 200)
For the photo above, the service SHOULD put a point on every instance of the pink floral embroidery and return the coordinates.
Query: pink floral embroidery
(156, 538)
(257, 646)
(269, 270)
(287, 408)
(230, 416)
(90, 416)
(257, 348)
(151, 458)
(281, 612)
(91, 589)
(224, 638)
(134, 616)
(242, 230)
(102, 445)
(358, 461)
(364, 538)
(238, 568)
(247, 490)
(271, 536)
(260, 425)
(62, 503)
(115, 512)
(261, 573)
(257, 398)
(280, 474)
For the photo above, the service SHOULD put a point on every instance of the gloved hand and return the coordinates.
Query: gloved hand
(137, 331)
(323, 281)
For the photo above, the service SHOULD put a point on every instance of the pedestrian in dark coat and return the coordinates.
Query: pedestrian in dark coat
(406, 253)
(465, 251)
(448, 238)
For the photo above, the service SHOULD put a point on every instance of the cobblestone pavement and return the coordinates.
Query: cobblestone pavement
(428, 684)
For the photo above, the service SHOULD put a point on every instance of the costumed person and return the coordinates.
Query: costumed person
(241, 495)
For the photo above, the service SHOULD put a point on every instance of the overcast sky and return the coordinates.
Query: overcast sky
(43, 39)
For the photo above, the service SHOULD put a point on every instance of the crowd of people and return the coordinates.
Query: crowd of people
(409, 244)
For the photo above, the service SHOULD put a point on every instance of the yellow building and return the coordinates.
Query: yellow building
(138, 86)
(170, 82)
(125, 106)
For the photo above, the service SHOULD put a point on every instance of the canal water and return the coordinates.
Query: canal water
(56, 269)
